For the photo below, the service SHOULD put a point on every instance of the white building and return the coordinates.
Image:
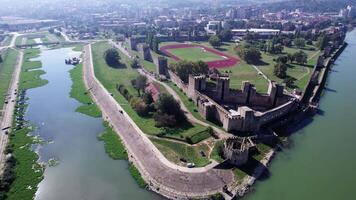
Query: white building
(261, 32)
(213, 27)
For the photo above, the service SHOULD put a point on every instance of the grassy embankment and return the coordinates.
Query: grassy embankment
(6, 70)
(174, 151)
(27, 172)
(112, 142)
(109, 77)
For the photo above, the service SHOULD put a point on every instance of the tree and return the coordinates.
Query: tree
(300, 57)
(135, 63)
(215, 41)
(289, 81)
(139, 106)
(164, 120)
(1, 60)
(225, 35)
(282, 59)
(322, 42)
(280, 70)
(184, 68)
(249, 54)
(166, 104)
(290, 57)
(299, 42)
(140, 83)
(112, 57)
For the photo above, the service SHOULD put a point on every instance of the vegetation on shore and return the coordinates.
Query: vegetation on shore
(30, 72)
(23, 172)
(112, 143)
(137, 176)
(81, 94)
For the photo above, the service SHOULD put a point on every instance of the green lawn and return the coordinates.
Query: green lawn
(175, 151)
(6, 70)
(109, 77)
(195, 54)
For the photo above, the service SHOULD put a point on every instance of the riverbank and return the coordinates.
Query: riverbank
(21, 158)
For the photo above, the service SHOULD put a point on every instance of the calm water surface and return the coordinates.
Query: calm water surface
(85, 172)
(321, 164)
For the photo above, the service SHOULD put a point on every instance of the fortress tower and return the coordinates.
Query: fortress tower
(222, 88)
(236, 150)
(275, 90)
(196, 83)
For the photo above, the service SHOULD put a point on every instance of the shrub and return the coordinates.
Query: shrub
(112, 57)
(139, 106)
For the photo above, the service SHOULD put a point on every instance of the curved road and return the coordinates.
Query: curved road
(163, 176)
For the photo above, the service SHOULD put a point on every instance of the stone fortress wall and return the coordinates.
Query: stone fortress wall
(237, 110)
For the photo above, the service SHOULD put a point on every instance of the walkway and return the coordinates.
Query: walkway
(172, 180)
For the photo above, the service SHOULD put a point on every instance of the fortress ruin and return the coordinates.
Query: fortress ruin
(242, 110)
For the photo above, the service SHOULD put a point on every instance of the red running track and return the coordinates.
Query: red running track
(228, 61)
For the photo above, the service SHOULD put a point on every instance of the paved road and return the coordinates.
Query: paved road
(6, 120)
(173, 180)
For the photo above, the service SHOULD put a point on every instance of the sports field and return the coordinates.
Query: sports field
(195, 52)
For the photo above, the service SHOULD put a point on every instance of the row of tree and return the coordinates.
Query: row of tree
(281, 66)
(184, 68)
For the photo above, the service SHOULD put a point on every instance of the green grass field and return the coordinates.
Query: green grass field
(109, 77)
(175, 151)
(195, 54)
(6, 70)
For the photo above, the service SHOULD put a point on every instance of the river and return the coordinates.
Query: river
(320, 164)
(85, 171)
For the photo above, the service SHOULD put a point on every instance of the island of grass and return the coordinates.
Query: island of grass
(123, 75)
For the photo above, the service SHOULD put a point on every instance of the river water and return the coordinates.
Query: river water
(85, 171)
(321, 163)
